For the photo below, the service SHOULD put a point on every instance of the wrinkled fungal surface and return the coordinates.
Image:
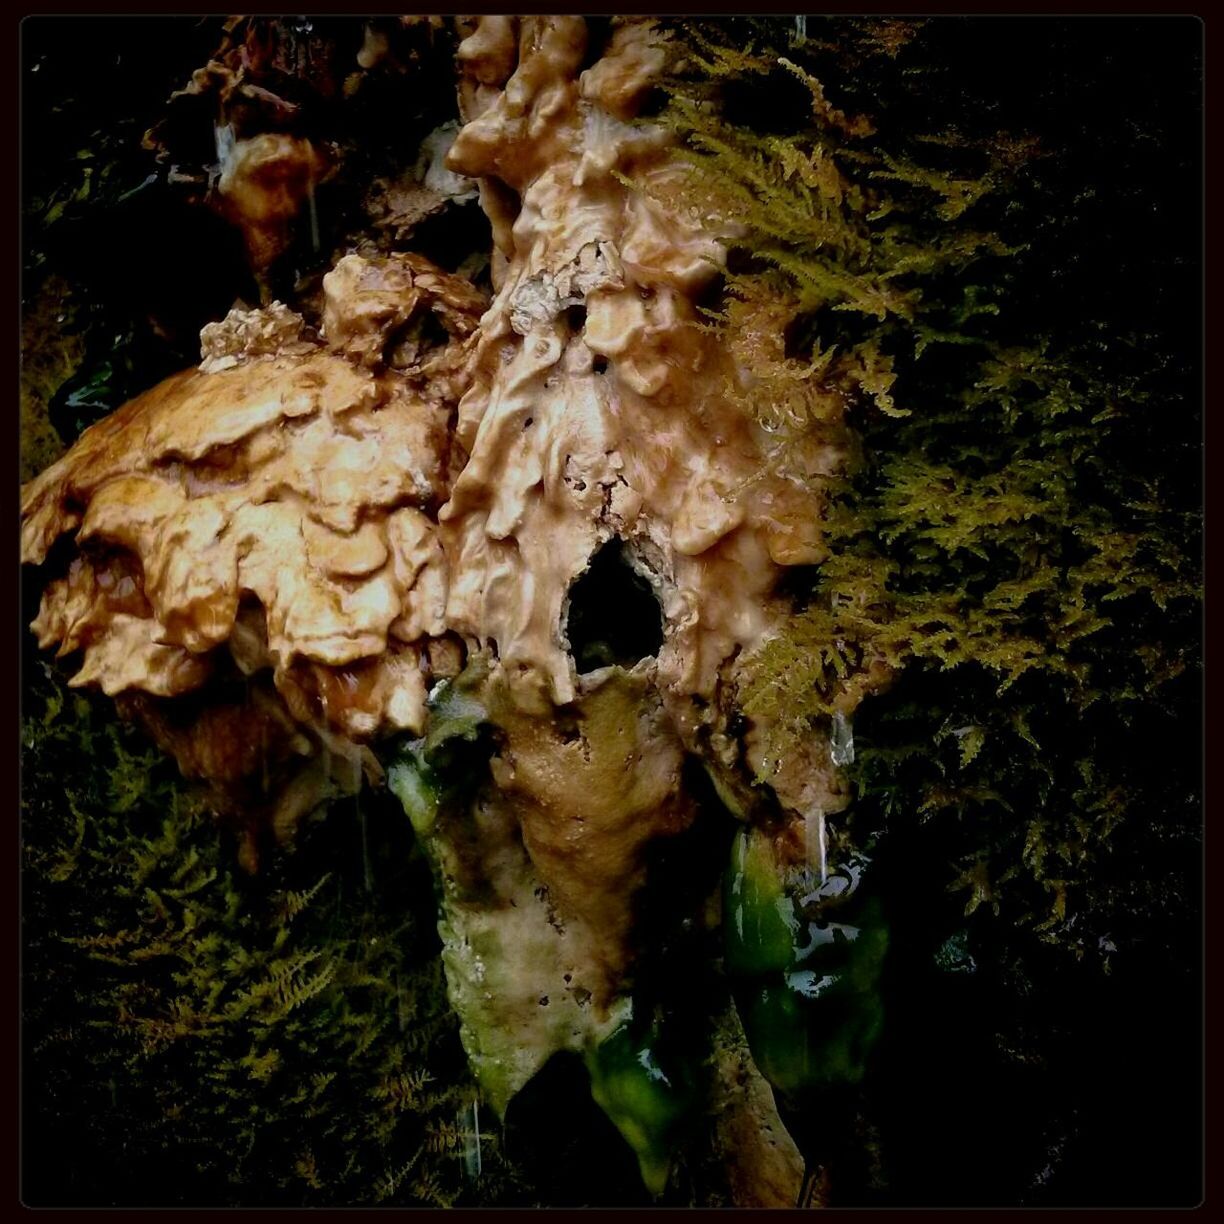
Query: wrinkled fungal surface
(275, 559)
(268, 519)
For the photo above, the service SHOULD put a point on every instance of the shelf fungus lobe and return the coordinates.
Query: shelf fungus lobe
(258, 535)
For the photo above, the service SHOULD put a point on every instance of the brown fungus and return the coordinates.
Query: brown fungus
(279, 553)
(267, 517)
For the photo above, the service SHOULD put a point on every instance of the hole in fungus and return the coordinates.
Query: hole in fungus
(575, 317)
(614, 615)
(450, 236)
(420, 335)
(600, 365)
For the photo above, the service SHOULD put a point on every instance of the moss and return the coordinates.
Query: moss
(1014, 514)
(966, 251)
(50, 354)
(196, 1037)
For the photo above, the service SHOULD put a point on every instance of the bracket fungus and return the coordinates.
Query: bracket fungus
(257, 535)
(318, 559)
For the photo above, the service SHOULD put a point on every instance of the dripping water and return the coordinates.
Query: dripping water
(816, 844)
(472, 1162)
(841, 741)
(224, 141)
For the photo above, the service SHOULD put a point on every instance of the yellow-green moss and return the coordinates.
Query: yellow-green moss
(1008, 513)
(199, 1037)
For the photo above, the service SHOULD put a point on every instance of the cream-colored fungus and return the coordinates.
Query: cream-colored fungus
(339, 520)
(271, 512)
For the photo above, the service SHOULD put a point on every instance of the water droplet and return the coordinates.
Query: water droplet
(841, 741)
(816, 842)
(223, 135)
(473, 1163)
